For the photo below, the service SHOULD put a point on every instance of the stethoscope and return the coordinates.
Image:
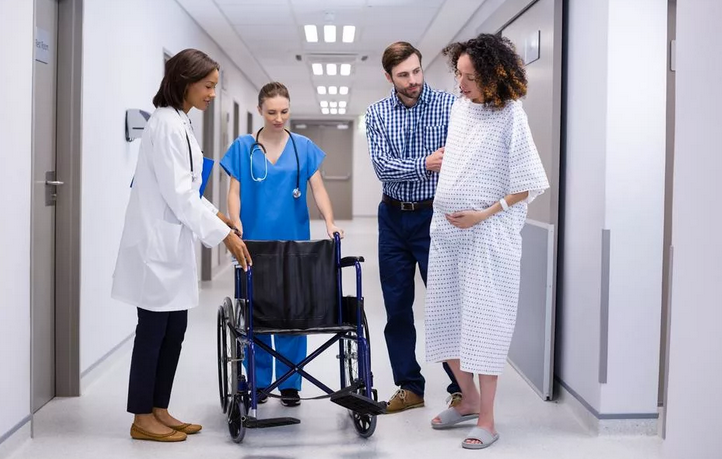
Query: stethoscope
(257, 144)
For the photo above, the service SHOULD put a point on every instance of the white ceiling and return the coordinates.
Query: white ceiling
(265, 38)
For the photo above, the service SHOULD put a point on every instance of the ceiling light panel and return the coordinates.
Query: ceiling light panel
(329, 33)
(317, 69)
(321, 90)
(344, 90)
(345, 69)
(331, 69)
(311, 33)
(332, 90)
(349, 32)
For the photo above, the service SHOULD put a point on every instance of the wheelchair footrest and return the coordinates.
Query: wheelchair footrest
(253, 423)
(358, 403)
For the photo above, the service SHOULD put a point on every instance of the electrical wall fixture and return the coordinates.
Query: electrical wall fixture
(135, 121)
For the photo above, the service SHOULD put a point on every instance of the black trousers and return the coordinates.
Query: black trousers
(156, 350)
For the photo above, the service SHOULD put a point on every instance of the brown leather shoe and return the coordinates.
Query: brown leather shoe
(403, 400)
(139, 434)
(454, 399)
(186, 428)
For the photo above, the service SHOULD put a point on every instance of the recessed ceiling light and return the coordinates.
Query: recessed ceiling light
(311, 33)
(317, 69)
(334, 104)
(343, 90)
(331, 69)
(332, 90)
(321, 90)
(342, 104)
(334, 111)
(341, 111)
(345, 69)
(324, 104)
(348, 33)
(324, 111)
(329, 33)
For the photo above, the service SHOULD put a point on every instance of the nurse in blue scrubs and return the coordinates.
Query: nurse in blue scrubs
(266, 201)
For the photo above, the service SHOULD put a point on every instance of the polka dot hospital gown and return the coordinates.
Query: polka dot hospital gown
(473, 276)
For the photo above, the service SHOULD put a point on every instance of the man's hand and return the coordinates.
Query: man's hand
(433, 161)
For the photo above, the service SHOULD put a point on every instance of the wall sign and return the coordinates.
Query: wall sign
(43, 45)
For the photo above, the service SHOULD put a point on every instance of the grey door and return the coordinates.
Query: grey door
(336, 140)
(44, 187)
(537, 36)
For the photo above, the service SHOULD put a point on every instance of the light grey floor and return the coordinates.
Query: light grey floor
(96, 424)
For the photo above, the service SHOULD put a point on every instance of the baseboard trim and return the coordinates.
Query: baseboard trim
(607, 423)
(99, 368)
(14, 438)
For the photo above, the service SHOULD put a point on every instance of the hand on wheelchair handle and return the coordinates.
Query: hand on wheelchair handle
(238, 249)
(332, 229)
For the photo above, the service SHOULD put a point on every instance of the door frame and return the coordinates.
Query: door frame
(68, 205)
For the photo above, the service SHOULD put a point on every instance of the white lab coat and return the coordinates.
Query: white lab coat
(156, 265)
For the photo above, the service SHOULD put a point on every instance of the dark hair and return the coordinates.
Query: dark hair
(396, 53)
(186, 67)
(500, 71)
(272, 89)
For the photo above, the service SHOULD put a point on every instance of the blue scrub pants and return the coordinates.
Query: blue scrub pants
(292, 347)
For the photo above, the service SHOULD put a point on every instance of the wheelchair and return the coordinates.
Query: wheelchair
(294, 287)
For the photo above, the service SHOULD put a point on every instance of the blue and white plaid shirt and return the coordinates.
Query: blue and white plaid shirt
(400, 138)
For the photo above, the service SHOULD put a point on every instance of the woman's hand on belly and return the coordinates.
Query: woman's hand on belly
(467, 218)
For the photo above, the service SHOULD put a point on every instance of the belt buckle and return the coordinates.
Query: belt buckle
(408, 206)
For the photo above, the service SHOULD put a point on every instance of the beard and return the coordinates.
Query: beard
(412, 92)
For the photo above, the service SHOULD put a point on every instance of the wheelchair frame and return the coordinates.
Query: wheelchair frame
(237, 335)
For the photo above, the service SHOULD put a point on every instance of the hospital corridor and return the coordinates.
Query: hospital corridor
(277, 229)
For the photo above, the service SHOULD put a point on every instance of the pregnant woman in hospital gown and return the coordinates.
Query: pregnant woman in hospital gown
(491, 171)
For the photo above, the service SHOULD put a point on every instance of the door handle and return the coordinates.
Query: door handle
(54, 183)
(335, 178)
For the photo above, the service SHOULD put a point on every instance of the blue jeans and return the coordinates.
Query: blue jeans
(403, 243)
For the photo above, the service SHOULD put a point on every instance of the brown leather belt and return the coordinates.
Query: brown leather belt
(407, 206)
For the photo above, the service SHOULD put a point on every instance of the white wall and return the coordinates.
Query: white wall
(695, 366)
(634, 205)
(123, 66)
(367, 188)
(16, 74)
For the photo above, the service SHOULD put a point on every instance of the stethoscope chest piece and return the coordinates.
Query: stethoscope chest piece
(296, 193)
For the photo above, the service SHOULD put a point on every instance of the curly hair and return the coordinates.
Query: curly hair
(500, 71)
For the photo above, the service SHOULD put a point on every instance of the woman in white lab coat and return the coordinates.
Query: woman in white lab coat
(156, 266)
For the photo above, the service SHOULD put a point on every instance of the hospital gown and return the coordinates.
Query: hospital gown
(473, 277)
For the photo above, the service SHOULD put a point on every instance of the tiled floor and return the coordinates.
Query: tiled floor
(96, 424)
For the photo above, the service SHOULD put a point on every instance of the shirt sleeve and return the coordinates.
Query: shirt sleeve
(231, 162)
(389, 168)
(526, 172)
(314, 158)
(169, 160)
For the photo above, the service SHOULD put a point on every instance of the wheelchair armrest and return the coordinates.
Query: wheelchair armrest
(350, 261)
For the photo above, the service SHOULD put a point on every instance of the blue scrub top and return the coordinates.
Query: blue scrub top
(268, 209)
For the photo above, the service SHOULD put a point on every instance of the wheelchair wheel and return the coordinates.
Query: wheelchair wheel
(365, 424)
(227, 364)
(237, 418)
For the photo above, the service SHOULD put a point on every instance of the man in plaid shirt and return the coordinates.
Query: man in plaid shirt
(406, 133)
